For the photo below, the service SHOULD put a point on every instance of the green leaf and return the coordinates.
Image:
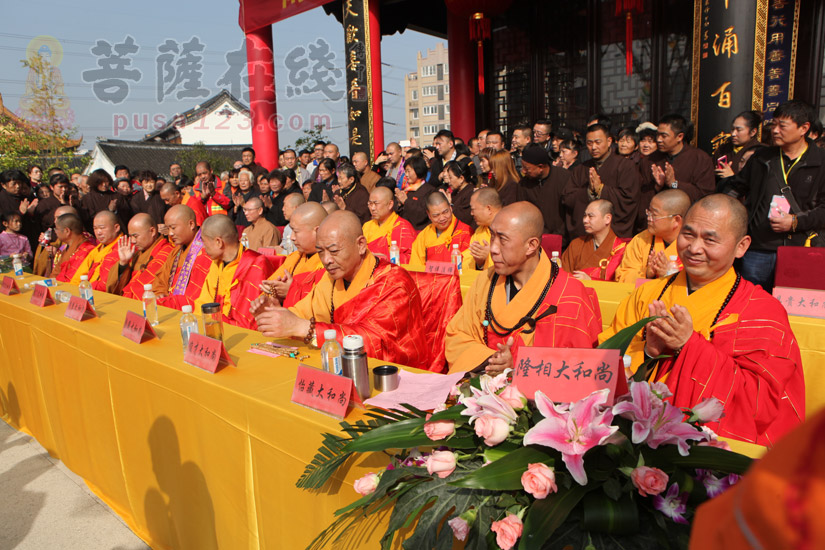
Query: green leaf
(709, 458)
(505, 473)
(398, 435)
(612, 488)
(641, 373)
(622, 339)
(453, 413)
(546, 515)
(602, 514)
(328, 459)
(491, 454)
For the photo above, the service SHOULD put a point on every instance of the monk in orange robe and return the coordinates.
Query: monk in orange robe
(235, 276)
(485, 204)
(141, 256)
(181, 278)
(75, 247)
(386, 226)
(600, 251)
(435, 242)
(531, 301)
(44, 256)
(104, 256)
(727, 338)
(302, 269)
(172, 196)
(360, 294)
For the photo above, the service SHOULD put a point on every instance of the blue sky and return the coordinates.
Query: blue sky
(78, 26)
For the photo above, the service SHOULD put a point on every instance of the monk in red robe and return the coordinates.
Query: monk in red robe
(172, 196)
(386, 226)
(141, 256)
(600, 251)
(435, 243)
(360, 294)
(104, 256)
(302, 269)
(531, 301)
(75, 247)
(726, 337)
(181, 278)
(235, 276)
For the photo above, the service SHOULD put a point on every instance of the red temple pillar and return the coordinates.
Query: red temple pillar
(261, 69)
(376, 84)
(462, 59)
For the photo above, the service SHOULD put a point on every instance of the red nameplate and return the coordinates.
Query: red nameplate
(640, 282)
(801, 301)
(566, 375)
(136, 328)
(9, 286)
(324, 391)
(79, 309)
(442, 268)
(267, 251)
(206, 353)
(41, 297)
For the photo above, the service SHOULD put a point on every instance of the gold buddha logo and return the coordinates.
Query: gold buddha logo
(44, 100)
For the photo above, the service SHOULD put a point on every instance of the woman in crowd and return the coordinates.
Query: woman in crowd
(504, 177)
(460, 177)
(322, 190)
(100, 197)
(647, 137)
(411, 202)
(732, 155)
(569, 150)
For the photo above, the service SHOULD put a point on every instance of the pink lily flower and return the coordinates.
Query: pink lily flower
(673, 505)
(486, 402)
(572, 429)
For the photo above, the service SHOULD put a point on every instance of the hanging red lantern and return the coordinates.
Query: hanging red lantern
(626, 8)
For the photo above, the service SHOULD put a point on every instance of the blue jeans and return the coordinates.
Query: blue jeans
(758, 267)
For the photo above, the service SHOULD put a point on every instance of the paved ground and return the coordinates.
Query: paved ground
(45, 506)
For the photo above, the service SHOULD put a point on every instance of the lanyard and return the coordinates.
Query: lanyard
(782, 163)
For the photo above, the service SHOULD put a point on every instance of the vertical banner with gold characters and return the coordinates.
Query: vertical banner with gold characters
(359, 76)
(727, 62)
(780, 54)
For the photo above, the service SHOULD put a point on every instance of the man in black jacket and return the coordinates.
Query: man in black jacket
(797, 166)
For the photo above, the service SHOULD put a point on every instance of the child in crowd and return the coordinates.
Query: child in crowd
(11, 241)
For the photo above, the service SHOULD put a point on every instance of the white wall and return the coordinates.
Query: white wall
(219, 129)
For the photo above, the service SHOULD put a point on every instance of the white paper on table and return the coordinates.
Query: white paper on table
(423, 391)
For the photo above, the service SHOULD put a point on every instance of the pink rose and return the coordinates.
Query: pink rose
(441, 463)
(440, 429)
(649, 481)
(494, 430)
(507, 531)
(367, 484)
(460, 527)
(709, 410)
(539, 480)
(496, 383)
(513, 397)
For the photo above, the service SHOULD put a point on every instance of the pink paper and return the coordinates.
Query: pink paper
(424, 391)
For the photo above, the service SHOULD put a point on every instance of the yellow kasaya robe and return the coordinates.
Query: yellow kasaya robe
(637, 254)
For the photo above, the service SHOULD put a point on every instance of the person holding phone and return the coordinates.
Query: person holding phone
(732, 155)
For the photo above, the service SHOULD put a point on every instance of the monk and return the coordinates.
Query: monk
(531, 301)
(599, 253)
(387, 226)
(44, 255)
(359, 294)
(104, 256)
(235, 274)
(435, 242)
(291, 202)
(141, 256)
(172, 196)
(260, 233)
(181, 279)
(648, 253)
(726, 337)
(302, 269)
(74, 247)
(485, 203)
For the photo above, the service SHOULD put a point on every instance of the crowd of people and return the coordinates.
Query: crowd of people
(626, 204)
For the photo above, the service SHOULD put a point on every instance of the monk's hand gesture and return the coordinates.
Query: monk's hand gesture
(279, 322)
(262, 303)
(657, 265)
(480, 251)
(125, 250)
(782, 223)
(502, 359)
(670, 332)
(581, 275)
(595, 182)
(279, 285)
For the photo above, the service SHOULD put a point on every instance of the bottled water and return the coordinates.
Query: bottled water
(86, 291)
(331, 353)
(17, 264)
(188, 325)
(150, 305)
(395, 253)
(455, 257)
(245, 240)
(554, 258)
(672, 266)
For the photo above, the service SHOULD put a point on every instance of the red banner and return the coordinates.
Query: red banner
(255, 14)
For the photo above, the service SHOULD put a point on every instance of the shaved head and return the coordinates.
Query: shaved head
(220, 227)
(255, 202)
(61, 210)
(182, 224)
(347, 225)
(294, 199)
(731, 209)
(168, 188)
(604, 206)
(436, 199)
(523, 218)
(310, 213)
(72, 222)
(674, 201)
(106, 216)
(142, 221)
(515, 241)
(341, 245)
(381, 193)
(329, 206)
(487, 196)
(181, 213)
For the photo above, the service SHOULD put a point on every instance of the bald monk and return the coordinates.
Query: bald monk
(44, 255)
(387, 226)
(648, 253)
(141, 256)
(104, 256)
(359, 294)
(599, 253)
(260, 233)
(235, 274)
(435, 242)
(181, 279)
(728, 338)
(485, 203)
(74, 247)
(522, 285)
(172, 196)
(291, 202)
(302, 269)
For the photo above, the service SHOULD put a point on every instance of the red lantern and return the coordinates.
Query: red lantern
(626, 7)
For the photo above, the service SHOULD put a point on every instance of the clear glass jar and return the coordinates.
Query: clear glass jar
(212, 320)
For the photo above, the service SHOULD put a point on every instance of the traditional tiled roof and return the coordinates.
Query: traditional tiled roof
(157, 156)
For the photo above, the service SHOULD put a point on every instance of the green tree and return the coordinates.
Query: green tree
(309, 137)
(190, 157)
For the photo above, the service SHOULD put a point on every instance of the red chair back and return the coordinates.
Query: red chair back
(551, 242)
(440, 301)
(800, 267)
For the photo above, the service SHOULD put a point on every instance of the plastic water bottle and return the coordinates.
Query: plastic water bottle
(331, 353)
(554, 258)
(245, 241)
(188, 325)
(150, 305)
(627, 362)
(17, 264)
(455, 257)
(395, 253)
(672, 266)
(85, 288)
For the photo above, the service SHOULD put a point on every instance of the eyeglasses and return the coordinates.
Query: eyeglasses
(650, 217)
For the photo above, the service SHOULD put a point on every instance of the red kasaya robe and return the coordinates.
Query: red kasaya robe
(306, 271)
(431, 247)
(142, 270)
(109, 261)
(67, 262)
(197, 276)
(395, 228)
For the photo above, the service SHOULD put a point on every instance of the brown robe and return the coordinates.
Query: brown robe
(262, 234)
(581, 255)
(546, 195)
(368, 179)
(356, 198)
